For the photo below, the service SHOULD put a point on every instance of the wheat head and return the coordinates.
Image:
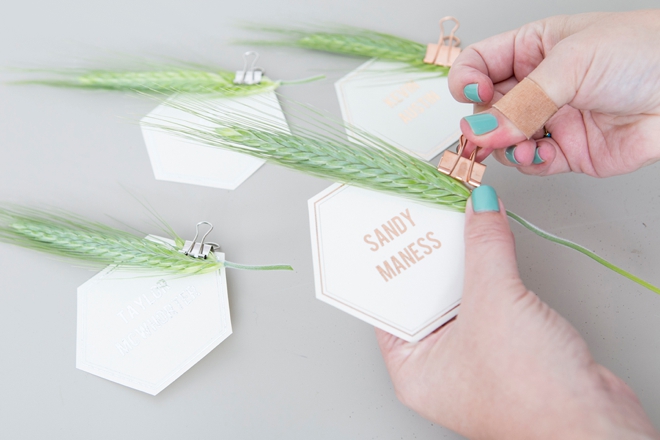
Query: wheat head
(369, 162)
(160, 81)
(97, 245)
(355, 42)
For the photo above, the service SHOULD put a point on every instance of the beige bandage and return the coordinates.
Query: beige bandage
(527, 106)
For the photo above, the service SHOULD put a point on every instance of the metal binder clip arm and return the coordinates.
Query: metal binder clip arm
(252, 75)
(201, 249)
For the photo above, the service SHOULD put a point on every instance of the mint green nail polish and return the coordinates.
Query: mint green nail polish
(482, 123)
(471, 92)
(484, 199)
(510, 155)
(537, 157)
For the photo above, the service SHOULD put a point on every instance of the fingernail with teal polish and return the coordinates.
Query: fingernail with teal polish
(510, 155)
(471, 92)
(484, 199)
(482, 123)
(537, 157)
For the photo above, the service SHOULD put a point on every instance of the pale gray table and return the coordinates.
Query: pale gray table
(295, 368)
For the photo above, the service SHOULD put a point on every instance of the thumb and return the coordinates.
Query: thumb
(490, 255)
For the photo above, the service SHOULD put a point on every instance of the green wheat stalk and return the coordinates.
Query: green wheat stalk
(164, 80)
(368, 162)
(97, 245)
(355, 42)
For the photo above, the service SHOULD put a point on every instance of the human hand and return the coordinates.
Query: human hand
(508, 366)
(601, 69)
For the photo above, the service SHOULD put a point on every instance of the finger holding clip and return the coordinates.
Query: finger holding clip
(482, 152)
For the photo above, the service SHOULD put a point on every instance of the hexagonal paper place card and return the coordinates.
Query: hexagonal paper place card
(181, 160)
(144, 331)
(391, 262)
(412, 110)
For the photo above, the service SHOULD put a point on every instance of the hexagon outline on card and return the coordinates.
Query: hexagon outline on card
(410, 109)
(181, 160)
(392, 262)
(143, 330)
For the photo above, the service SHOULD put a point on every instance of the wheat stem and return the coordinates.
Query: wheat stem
(294, 82)
(562, 241)
(250, 267)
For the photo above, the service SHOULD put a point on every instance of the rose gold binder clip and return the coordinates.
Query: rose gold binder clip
(445, 52)
(468, 171)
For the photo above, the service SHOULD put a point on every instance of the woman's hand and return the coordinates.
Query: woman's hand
(601, 69)
(508, 366)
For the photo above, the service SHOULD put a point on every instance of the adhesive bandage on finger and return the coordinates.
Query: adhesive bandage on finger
(527, 106)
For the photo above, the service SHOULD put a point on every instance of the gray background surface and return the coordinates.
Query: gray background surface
(294, 368)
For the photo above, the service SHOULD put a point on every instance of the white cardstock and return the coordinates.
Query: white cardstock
(180, 160)
(409, 109)
(391, 262)
(145, 331)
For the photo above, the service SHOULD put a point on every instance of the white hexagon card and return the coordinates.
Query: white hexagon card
(145, 331)
(412, 110)
(389, 261)
(180, 160)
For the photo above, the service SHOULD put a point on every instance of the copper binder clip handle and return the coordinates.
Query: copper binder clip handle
(470, 176)
(443, 54)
